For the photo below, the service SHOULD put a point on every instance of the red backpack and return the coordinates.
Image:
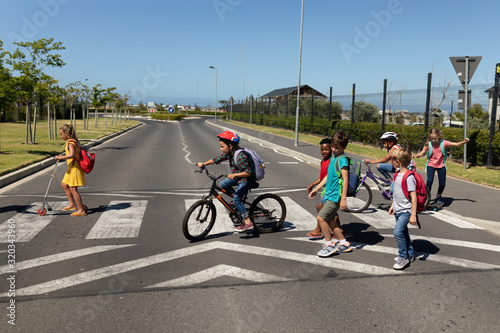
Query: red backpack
(420, 189)
(86, 160)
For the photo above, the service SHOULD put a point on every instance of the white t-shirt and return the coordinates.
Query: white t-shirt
(401, 203)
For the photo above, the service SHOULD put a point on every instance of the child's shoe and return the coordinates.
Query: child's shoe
(400, 263)
(244, 227)
(411, 259)
(327, 250)
(344, 247)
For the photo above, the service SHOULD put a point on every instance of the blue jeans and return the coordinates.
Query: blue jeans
(441, 177)
(402, 235)
(385, 168)
(242, 189)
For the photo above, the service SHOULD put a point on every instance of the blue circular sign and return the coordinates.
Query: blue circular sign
(171, 109)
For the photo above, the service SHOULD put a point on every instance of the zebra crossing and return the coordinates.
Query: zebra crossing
(123, 219)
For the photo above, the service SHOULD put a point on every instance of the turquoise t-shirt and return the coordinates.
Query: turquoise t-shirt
(332, 192)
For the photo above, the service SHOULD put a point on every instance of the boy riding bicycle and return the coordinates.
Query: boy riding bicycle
(243, 174)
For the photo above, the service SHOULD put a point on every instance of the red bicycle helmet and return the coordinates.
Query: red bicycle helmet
(229, 136)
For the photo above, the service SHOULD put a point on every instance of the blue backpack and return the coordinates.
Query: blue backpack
(354, 174)
(257, 160)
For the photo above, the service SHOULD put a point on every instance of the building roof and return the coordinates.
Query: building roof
(292, 91)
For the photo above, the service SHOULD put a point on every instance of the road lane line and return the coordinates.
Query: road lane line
(29, 223)
(460, 243)
(31, 263)
(427, 256)
(104, 272)
(121, 219)
(453, 220)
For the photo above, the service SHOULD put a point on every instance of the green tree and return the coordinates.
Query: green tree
(7, 84)
(365, 112)
(33, 81)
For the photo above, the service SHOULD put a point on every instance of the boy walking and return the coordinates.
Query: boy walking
(403, 209)
(334, 197)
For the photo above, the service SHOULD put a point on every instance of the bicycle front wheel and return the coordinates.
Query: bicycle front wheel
(267, 213)
(428, 200)
(361, 201)
(199, 220)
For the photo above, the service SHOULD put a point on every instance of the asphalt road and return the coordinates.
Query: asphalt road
(126, 267)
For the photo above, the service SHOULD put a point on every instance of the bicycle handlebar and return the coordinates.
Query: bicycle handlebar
(204, 169)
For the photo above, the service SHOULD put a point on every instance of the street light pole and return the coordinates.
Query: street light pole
(216, 107)
(297, 111)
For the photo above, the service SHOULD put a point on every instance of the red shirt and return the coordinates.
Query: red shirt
(324, 169)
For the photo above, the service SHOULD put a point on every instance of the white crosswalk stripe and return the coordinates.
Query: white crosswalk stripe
(121, 219)
(29, 223)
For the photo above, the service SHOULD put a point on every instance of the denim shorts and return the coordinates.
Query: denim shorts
(329, 210)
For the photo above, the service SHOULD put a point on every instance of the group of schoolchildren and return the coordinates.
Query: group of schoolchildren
(335, 184)
(403, 208)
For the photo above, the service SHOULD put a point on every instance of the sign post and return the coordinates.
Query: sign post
(493, 115)
(468, 66)
(231, 102)
(251, 105)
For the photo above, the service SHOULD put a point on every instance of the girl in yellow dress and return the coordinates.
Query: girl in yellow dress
(74, 176)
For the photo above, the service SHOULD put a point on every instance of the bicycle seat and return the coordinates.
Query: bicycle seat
(255, 185)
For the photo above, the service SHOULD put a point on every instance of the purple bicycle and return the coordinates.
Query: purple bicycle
(362, 198)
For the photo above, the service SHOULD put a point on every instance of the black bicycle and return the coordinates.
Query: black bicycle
(267, 212)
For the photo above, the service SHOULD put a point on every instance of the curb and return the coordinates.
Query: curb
(31, 169)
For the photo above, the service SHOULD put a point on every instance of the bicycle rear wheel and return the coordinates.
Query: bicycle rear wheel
(199, 220)
(361, 201)
(267, 213)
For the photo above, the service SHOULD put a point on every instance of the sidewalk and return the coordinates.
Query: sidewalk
(468, 201)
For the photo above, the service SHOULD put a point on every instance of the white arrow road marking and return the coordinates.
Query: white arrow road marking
(104, 272)
(29, 223)
(121, 219)
(60, 257)
(219, 271)
(430, 257)
(472, 245)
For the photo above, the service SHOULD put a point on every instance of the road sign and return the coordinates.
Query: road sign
(151, 110)
(459, 65)
(171, 109)
(461, 98)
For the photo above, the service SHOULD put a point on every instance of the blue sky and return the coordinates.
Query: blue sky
(161, 50)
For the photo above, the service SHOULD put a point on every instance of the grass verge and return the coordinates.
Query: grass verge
(15, 154)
